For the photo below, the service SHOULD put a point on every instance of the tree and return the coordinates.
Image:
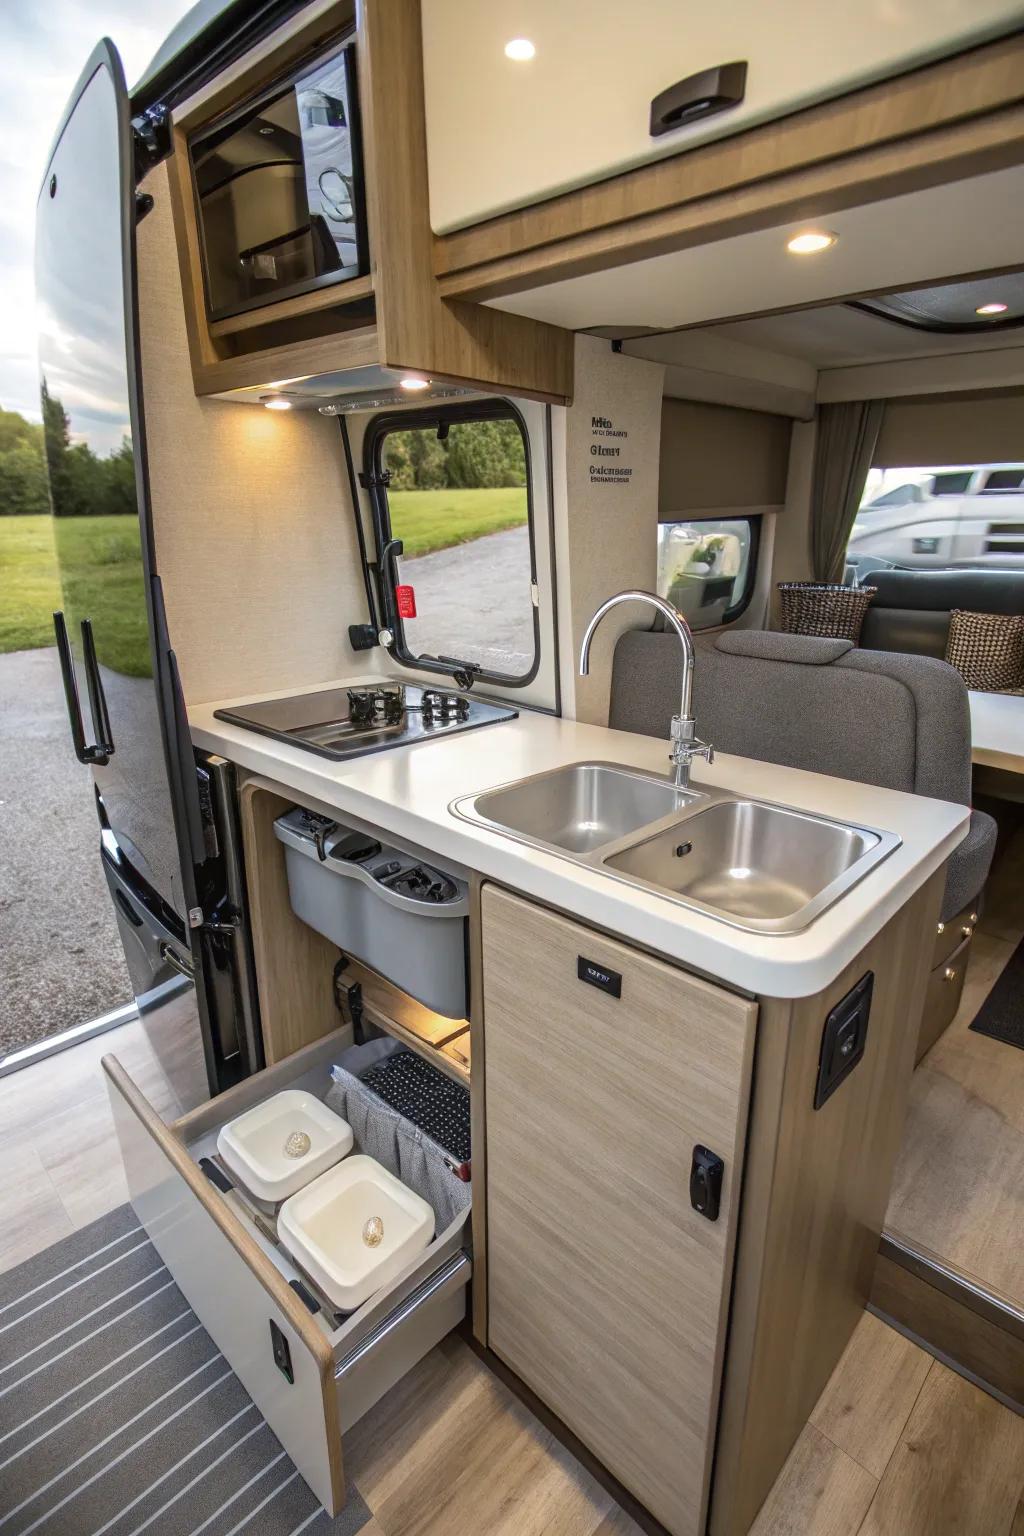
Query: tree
(23, 491)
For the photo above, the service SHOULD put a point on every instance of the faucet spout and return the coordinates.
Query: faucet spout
(685, 743)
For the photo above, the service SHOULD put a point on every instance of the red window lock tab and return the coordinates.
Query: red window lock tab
(405, 598)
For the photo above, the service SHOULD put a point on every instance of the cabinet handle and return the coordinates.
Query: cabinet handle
(701, 95)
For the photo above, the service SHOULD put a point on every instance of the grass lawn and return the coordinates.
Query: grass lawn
(102, 568)
(29, 589)
(429, 520)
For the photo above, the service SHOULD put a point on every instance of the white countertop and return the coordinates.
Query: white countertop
(406, 792)
(997, 730)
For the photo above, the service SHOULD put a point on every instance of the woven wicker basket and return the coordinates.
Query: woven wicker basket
(820, 608)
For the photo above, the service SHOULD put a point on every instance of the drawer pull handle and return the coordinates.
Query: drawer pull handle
(698, 96)
(966, 930)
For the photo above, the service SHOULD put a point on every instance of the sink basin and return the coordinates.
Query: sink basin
(355, 1228)
(577, 808)
(756, 865)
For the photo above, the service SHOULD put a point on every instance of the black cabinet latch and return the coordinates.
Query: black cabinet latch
(282, 1353)
(706, 1173)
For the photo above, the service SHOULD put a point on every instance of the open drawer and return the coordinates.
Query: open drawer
(311, 1374)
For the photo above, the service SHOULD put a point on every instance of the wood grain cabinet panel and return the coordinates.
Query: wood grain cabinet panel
(607, 1291)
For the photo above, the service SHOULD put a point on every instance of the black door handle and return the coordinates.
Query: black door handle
(97, 698)
(97, 753)
(702, 95)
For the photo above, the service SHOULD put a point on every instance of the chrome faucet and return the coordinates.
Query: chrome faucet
(686, 745)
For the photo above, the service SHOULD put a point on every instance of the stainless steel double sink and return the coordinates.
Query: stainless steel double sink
(762, 867)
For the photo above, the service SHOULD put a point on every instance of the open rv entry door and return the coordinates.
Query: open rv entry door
(161, 856)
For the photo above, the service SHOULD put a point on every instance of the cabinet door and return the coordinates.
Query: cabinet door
(503, 133)
(606, 1290)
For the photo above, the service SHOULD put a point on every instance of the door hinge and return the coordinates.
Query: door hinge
(152, 134)
(534, 594)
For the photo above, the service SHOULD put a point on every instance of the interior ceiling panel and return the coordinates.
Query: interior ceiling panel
(953, 308)
(920, 237)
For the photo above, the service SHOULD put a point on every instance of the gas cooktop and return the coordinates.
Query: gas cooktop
(369, 716)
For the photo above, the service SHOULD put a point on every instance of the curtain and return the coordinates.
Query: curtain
(847, 434)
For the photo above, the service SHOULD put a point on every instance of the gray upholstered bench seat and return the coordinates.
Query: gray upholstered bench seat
(880, 717)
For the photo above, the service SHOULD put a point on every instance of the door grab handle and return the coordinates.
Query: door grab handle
(97, 697)
(698, 96)
(96, 753)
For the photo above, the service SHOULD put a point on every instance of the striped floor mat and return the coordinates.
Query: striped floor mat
(119, 1415)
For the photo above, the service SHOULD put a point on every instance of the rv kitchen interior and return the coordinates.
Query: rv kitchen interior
(558, 775)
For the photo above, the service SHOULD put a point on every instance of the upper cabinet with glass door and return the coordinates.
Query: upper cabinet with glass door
(528, 100)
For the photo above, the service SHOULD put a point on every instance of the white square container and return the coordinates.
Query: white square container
(327, 1225)
(254, 1145)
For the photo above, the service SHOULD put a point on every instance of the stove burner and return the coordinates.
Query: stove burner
(443, 708)
(375, 706)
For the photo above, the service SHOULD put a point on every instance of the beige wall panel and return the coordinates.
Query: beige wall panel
(605, 524)
(253, 527)
(717, 456)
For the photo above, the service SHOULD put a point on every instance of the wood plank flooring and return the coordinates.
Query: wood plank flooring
(958, 1189)
(58, 1149)
(899, 1445)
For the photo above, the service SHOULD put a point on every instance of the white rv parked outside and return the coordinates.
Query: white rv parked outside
(971, 515)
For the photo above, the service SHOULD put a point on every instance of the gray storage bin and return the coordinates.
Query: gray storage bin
(401, 915)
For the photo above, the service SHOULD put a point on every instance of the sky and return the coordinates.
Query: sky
(43, 49)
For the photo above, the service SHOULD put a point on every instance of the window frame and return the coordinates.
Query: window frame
(754, 521)
(377, 431)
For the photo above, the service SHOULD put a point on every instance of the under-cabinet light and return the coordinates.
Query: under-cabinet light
(520, 49)
(412, 384)
(810, 241)
(991, 309)
(276, 403)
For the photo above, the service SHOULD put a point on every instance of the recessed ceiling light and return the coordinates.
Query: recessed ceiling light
(810, 241)
(991, 309)
(412, 384)
(275, 403)
(520, 49)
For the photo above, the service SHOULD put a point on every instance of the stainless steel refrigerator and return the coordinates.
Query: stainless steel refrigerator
(167, 833)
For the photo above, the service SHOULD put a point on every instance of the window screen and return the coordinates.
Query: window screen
(458, 498)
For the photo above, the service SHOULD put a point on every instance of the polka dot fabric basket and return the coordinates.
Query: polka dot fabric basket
(825, 609)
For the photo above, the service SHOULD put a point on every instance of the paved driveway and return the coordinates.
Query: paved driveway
(474, 601)
(60, 955)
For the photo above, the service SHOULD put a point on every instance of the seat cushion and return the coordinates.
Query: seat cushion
(969, 865)
(900, 722)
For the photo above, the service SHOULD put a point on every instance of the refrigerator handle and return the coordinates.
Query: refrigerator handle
(97, 698)
(96, 753)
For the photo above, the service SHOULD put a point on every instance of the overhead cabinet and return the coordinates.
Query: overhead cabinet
(606, 90)
(299, 185)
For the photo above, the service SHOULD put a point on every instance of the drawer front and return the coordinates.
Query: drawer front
(503, 134)
(236, 1280)
(606, 1289)
(400, 1342)
(952, 935)
(233, 1289)
(945, 989)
